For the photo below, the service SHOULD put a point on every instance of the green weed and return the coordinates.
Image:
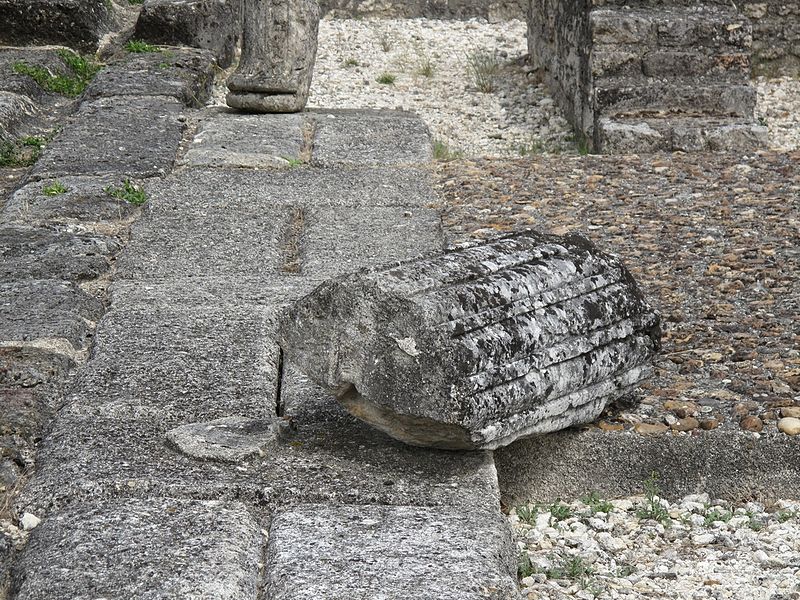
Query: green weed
(350, 62)
(133, 194)
(139, 47)
(597, 504)
(387, 78)
(483, 68)
(426, 68)
(559, 511)
(443, 152)
(652, 508)
(528, 514)
(83, 70)
(54, 189)
(22, 152)
(716, 515)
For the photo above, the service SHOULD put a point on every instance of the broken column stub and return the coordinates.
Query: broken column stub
(279, 46)
(478, 346)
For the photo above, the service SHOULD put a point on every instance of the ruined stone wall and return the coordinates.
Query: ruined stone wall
(559, 44)
(776, 36)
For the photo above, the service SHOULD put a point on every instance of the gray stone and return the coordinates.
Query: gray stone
(279, 46)
(159, 548)
(495, 11)
(27, 366)
(40, 253)
(25, 85)
(16, 111)
(210, 24)
(621, 137)
(125, 136)
(334, 552)
(723, 463)
(234, 140)
(477, 347)
(185, 74)
(101, 448)
(85, 201)
(6, 556)
(47, 310)
(74, 23)
(230, 439)
(360, 137)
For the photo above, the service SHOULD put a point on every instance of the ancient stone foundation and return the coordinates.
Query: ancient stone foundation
(649, 75)
(776, 36)
(480, 346)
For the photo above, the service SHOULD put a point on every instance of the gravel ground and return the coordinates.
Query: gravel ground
(645, 547)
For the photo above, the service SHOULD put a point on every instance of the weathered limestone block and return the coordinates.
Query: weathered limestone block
(477, 347)
(279, 45)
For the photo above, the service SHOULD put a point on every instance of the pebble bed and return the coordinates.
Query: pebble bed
(647, 547)
(430, 65)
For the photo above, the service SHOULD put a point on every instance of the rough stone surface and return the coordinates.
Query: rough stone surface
(494, 10)
(125, 136)
(333, 552)
(724, 464)
(182, 73)
(279, 44)
(85, 201)
(46, 309)
(370, 138)
(6, 555)
(234, 140)
(28, 366)
(210, 24)
(230, 439)
(158, 548)
(775, 36)
(476, 347)
(75, 23)
(40, 253)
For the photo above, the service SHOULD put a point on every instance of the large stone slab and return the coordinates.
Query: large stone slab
(84, 201)
(74, 23)
(48, 310)
(124, 136)
(16, 113)
(474, 348)
(226, 139)
(25, 85)
(334, 552)
(318, 453)
(26, 365)
(362, 137)
(210, 24)
(40, 253)
(185, 74)
(159, 548)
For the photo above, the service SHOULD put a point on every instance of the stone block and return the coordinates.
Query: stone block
(158, 548)
(185, 74)
(367, 138)
(210, 24)
(333, 552)
(123, 136)
(84, 201)
(734, 66)
(25, 85)
(226, 139)
(29, 366)
(32, 310)
(613, 136)
(16, 112)
(75, 23)
(41, 253)
(476, 347)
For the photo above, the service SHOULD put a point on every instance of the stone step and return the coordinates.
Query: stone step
(670, 134)
(660, 3)
(156, 548)
(687, 96)
(319, 552)
(632, 61)
(670, 27)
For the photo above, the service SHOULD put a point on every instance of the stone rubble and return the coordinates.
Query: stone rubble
(648, 547)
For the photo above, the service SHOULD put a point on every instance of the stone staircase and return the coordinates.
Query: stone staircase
(650, 75)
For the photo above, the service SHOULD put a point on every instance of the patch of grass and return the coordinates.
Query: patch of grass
(54, 189)
(133, 194)
(140, 47)
(83, 70)
(652, 508)
(754, 523)
(559, 511)
(524, 566)
(135, 2)
(426, 68)
(385, 41)
(528, 514)
(583, 146)
(534, 147)
(443, 152)
(350, 62)
(293, 162)
(783, 515)
(597, 504)
(483, 68)
(22, 152)
(716, 515)
(387, 78)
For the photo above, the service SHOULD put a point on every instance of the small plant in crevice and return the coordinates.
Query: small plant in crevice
(442, 151)
(715, 514)
(483, 68)
(130, 193)
(559, 511)
(140, 47)
(350, 62)
(597, 504)
(653, 508)
(385, 41)
(524, 566)
(528, 514)
(426, 68)
(22, 152)
(83, 70)
(386, 78)
(54, 189)
(293, 162)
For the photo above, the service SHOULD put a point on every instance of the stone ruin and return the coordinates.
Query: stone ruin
(477, 347)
